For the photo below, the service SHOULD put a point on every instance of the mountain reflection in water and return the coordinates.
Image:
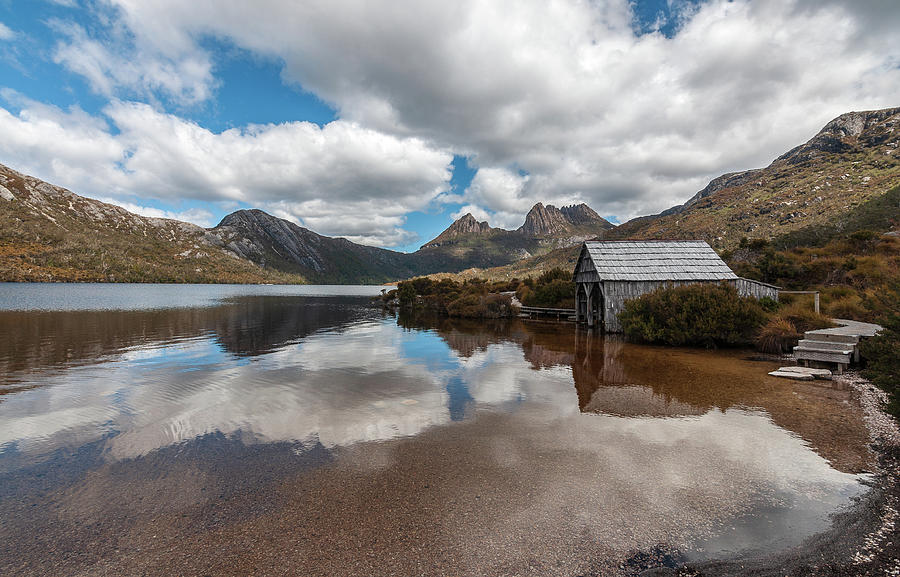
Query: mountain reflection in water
(561, 431)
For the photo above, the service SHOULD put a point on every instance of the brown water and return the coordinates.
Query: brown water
(308, 435)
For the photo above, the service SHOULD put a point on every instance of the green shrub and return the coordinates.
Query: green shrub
(406, 294)
(557, 293)
(699, 314)
(490, 306)
(472, 299)
(882, 352)
(769, 304)
(552, 289)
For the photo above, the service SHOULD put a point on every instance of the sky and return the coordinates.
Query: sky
(382, 122)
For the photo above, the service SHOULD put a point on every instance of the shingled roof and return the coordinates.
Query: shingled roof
(651, 260)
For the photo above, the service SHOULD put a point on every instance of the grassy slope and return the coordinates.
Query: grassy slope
(807, 189)
(49, 234)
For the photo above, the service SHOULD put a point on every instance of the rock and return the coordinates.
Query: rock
(792, 375)
(544, 221)
(802, 373)
(582, 214)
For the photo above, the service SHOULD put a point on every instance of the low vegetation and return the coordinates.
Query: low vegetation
(475, 298)
(482, 298)
(786, 326)
(709, 315)
(883, 351)
(552, 289)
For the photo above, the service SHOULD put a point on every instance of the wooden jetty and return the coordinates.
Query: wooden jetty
(835, 346)
(543, 312)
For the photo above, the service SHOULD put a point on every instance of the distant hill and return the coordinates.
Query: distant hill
(277, 244)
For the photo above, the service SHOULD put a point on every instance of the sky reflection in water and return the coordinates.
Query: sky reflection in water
(659, 432)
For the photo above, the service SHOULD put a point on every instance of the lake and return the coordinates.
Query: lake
(172, 429)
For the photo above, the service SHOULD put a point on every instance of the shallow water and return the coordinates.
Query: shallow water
(289, 434)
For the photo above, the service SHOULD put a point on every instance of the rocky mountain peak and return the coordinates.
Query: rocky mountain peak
(544, 221)
(850, 132)
(582, 214)
(464, 226)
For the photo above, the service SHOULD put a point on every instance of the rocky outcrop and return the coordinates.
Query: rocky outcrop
(544, 221)
(846, 133)
(463, 227)
(583, 215)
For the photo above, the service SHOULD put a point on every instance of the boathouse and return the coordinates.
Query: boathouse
(608, 273)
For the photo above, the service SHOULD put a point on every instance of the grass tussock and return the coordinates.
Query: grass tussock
(778, 336)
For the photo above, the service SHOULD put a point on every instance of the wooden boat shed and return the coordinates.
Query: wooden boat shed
(608, 273)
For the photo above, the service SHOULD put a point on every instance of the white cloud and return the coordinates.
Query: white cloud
(6, 33)
(502, 191)
(565, 90)
(479, 213)
(67, 147)
(340, 179)
(198, 216)
(113, 65)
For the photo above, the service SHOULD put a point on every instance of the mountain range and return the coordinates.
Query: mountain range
(48, 233)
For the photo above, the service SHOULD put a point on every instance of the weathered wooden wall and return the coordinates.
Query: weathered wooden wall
(585, 270)
(617, 292)
(751, 288)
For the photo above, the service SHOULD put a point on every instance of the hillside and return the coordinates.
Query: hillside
(852, 160)
(48, 233)
(277, 244)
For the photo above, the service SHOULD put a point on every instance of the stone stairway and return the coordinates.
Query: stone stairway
(835, 346)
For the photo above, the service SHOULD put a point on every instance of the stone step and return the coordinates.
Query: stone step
(821, 374)
(841, 357)
(792, 375)
(816, 344)
(831, 337)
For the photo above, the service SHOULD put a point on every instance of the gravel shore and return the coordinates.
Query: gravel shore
(863, 540)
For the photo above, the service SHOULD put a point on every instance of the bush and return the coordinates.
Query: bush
(406, 294)
(490, 306)
(553, 289)
(882, 352)
(778, 336)
(472, 299)
(557, 293)
(699, 314)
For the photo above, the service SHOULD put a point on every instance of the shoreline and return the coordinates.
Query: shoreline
(862, 539)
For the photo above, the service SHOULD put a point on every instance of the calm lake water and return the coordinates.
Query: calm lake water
(172, 429)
